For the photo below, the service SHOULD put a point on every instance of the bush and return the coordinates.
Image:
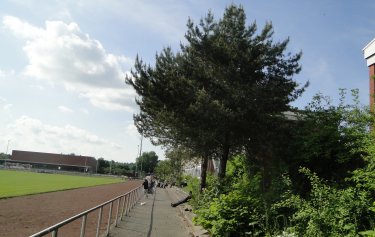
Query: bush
(327, 211)
(236, 209)
(193, 186)
(232, 214)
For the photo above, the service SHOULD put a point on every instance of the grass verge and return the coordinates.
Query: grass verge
(20, 183)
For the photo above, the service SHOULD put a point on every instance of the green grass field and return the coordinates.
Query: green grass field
(19, 183)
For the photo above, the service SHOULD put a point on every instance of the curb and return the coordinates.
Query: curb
(185, 211)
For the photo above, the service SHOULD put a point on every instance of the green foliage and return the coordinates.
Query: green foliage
(163, 170)
(364, 178)
(170, 169)
(120, 168)
(331, 197)
(329, 140)
(340, 143)
(178, 156)
(369, 233)
(147, 162)
(209, 193)
(193, 186)
(115, 168)
(240, 209)
(327, 211)
(233, 214)
(4, 156)
(236, 209)
(102, 165)
(224, 93)
(225, 84)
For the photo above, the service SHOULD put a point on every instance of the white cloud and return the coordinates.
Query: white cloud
(161, 18)
(4, 105)
(4, 74)
(31, 134)
(21, 28)
(7, 106)
(5, 109)
(84, 111)
(120, 99)
(37, 87)
(65, 109)
(131, 130)
(64, 55)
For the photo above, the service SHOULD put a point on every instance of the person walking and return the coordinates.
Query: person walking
(145, 187)
(152, 187)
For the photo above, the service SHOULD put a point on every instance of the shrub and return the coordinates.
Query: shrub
(327, 211)
(193, 186)
(232, 214)
(236, 209)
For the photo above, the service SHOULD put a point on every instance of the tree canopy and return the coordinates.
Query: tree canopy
(147, 161)
(214, 95)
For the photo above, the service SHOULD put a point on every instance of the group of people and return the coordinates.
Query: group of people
(149, 185)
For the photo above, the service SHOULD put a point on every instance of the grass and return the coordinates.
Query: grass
(20, 183)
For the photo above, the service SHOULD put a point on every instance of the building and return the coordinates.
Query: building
(51, 161)
(194, 169)
(369, 55)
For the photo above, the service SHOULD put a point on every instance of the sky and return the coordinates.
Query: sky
(63, 63)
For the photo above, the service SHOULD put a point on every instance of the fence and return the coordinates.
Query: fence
(127, 201)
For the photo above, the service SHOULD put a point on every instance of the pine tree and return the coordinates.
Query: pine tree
(225, 85)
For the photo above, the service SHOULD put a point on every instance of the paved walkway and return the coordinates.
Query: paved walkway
(154, 217)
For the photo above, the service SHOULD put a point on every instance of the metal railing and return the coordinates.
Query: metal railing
(127, 201)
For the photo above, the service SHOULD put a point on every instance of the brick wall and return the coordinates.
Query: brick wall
(372, 85)
(55, 159)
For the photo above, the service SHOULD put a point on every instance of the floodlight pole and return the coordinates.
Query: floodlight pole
(140, 150)
(7, 147)
(136, 163)
(97, 163)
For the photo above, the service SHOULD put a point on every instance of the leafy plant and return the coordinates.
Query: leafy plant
(193, 185)
(233, 214)
(330, 140)
(236, 209)
(327, 211)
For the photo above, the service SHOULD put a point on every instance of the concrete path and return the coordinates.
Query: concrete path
(153, 217)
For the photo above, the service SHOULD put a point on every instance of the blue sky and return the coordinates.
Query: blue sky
(63, 63)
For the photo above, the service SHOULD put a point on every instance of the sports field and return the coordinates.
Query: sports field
(19, 183)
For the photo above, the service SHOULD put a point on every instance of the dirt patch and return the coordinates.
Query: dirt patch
(24, 216)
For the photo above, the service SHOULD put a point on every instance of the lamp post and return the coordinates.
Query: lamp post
(136, 164)
(97, 163)
(140, 150)
(6, 153)
(140, 147)
(110, 167)
(85, 170)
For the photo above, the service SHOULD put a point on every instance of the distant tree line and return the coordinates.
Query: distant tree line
(115, 168)
(5, 156)
(145, 164)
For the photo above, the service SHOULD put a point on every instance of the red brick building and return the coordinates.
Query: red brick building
(369, 55)
(55, 161)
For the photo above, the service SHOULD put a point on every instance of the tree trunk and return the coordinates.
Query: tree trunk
(204, 172)
(266, 162)
(224, 159)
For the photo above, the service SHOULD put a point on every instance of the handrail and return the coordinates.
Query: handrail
(129, 200)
